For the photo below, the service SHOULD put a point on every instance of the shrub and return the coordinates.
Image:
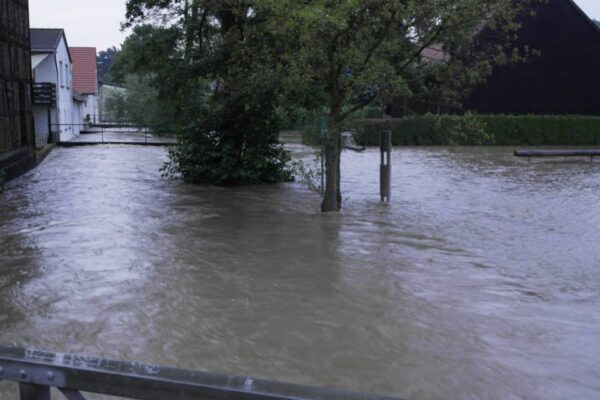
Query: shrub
(473, 129)
(309, 123)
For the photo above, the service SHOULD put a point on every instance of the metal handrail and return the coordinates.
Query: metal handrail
(37, 371)
(101, 129)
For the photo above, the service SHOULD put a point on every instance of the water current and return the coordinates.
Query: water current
(480, 280)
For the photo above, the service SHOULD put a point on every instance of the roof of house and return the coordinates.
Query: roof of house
(44, 40)
(85, 75)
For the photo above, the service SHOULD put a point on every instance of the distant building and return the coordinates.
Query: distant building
(16, 127)
(85, 80)
(52, 67)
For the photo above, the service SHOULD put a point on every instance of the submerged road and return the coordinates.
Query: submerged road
(481, 280)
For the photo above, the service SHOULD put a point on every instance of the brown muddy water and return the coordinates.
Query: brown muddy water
(481, 280)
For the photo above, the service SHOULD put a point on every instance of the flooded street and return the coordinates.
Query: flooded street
(481, 279)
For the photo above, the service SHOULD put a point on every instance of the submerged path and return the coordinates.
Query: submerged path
(480, 280)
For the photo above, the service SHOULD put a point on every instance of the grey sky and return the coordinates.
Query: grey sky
(96, 23)
(93, 23)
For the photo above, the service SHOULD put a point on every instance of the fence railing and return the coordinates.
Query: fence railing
(38, 371)
(103, 133)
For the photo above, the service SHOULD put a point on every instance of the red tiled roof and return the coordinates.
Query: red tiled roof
(85, 79)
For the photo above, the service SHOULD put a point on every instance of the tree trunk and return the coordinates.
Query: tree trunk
(332, 201)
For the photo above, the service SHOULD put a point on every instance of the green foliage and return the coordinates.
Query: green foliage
(467, 129)
(308, 123)
(544, 130)
(148, 50)
(310, 173)
(115, 108)
(473, 130)
(211, 68)
(104, 62)
(246, 156)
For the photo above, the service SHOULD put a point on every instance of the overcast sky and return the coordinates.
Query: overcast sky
(96, 23)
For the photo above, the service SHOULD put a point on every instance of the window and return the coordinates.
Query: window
(61, 78)
(68, 76)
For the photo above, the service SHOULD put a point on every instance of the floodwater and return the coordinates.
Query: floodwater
(481, 279)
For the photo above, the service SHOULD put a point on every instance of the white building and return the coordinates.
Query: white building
(51, 64)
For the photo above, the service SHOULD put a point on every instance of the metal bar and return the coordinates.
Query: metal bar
(72, 394)
(557, 153)
(33, 392)
(149, 382)
(111, 142)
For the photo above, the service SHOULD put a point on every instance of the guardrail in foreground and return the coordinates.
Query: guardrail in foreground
(37, 371)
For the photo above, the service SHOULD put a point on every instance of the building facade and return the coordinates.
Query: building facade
(52, 65)
(16, 123)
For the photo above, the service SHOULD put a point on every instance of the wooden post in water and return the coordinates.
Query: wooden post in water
(385, 146)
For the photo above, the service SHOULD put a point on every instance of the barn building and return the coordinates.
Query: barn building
(563, 79)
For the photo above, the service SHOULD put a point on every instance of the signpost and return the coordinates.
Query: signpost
(385, 146)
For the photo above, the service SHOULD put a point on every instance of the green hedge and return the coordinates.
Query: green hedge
(472, 129)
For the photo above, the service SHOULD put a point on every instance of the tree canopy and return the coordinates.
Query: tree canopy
(104, 61)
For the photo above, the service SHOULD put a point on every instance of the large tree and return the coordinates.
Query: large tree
(349, 54)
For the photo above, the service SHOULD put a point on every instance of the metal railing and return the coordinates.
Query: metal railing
(102, 130)
(37, 371)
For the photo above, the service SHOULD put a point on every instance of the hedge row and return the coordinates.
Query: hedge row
(444, 130)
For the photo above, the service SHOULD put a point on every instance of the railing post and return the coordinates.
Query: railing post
(33, 392)
(385, 145)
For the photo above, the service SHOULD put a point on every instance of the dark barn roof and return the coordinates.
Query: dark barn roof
(563, 79)
(45, 40)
